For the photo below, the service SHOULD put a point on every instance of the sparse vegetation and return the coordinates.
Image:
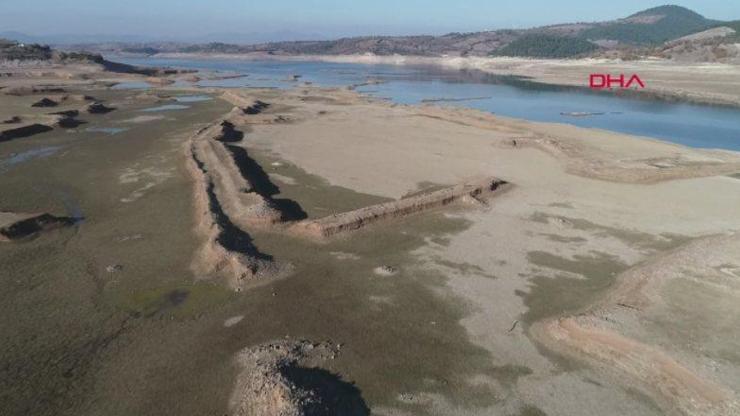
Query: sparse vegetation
(546, 46)
(14, 51)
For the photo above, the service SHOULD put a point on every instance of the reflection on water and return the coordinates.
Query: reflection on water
(106, 130)
(22, 157)
(166, 107)
(131, 85)
(687, 124)
(192, 98)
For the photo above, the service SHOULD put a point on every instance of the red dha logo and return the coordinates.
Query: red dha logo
(600, 81)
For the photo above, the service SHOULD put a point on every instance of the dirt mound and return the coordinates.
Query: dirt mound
(471, 191)
(67, 122)
(225, 207)
(282, 378)
(98, 108)
(246, 104)
(45, 102)
(15, 226)
(25, 131)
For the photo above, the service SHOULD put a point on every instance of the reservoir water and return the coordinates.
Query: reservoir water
(692, 125)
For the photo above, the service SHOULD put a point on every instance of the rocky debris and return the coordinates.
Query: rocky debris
(98, 108)
(17, 226)
(12, 120)
(284, 378)
(45, 102)
(114, 268)
(385, 271)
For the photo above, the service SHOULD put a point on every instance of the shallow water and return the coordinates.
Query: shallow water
(192, 98)
(22, 157)
(107, 130)
(132, 85)
(687, 124)
(166, 107)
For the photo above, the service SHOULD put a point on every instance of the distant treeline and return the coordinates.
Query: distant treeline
(546, 46)
(16, 51)
(674, 23)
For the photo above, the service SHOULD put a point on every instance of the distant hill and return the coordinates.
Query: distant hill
(546, 46)
(631, 38)
(651, 26)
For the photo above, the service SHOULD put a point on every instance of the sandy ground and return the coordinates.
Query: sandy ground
(437, 313)
(574, 221)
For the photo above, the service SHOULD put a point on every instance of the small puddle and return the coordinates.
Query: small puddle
(193, 98)
(106, 130)
(18, 158)
(166, 107)
(132, 85)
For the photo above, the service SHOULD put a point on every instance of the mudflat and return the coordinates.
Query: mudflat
(464, 263)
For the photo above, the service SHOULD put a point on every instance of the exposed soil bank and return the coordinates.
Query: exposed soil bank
(226, 250)
(14, 226)
(474, 191)
(616, 333)
(25, 131)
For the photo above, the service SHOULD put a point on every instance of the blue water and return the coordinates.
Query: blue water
(166, 107)
(132, 85)
(18, 158)
(688, 124)
(107, 130)
(192, 98)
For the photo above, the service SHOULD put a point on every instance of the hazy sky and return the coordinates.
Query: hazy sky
(178, 18)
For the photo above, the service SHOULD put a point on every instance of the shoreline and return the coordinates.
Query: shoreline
(552, 72)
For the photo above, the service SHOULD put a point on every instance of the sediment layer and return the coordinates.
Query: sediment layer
(226, 249)
(471, 191)
(608, 334)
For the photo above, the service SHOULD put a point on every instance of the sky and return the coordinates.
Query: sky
(188, 19)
